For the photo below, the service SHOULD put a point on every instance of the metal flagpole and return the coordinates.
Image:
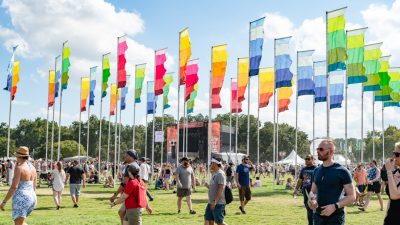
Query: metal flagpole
(313, 116)
(152, 139)
(9, 118)
(327, 81)
(237, 115)
(383, 133)
(362, 124)
(145, 132)
(100, 133)
(184, 121)
(258, 119)
(54, 106)
(162, 129)
(80, 125)
(230, 121)
(47, 122)
(297, 114)
(133, 127)
(177, 119)
(248, 116)
(108, 139)
(187, 132)
(273, 136)
(88, 119)
(119, 133)
(209, 123)
(59, 116)
(116, 113)
(373, 125)
(346, 85)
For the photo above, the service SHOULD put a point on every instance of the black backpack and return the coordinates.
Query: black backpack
(228, 194)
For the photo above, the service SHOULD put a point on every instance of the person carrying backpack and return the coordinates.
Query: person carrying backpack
(134, 197)
(216, 194)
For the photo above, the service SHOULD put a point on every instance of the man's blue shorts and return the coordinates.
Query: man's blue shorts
(216, 214)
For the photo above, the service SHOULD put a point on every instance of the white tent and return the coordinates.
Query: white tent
(291, 159)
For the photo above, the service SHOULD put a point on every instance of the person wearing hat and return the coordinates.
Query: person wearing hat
(216, 196)
(393, 187)
(242, 178)
(23, 188)
(184, 176)
(130, 160)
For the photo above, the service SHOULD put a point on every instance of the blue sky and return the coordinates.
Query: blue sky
(91, 26)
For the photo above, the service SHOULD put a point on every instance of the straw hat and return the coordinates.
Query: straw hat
(23, 151)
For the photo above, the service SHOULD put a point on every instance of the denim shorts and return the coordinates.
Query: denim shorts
(75, 189)
(216, 214)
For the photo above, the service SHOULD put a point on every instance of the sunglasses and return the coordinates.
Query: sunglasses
(320, 149)
(397, 154)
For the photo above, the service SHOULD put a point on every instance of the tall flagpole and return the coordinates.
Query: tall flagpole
(108, 139)
(273, 136)
(383, 132)
(54, 106)
(145, 132)
(116, 113)
(209, 122)
(248, 101)
(10, 108)
(162, 129)
(297, 114)
(346, 85)
(230, 122)
(313, 116)
(101, 118)
(373, 125)
(362, 124)
(179, 87)
(80, 125)
(187, 132)
(152, 134)
(258, 119)
(88, 120)
(119, 132)
(47, 121)
(59, 116)
(327, 82)
(133, 127)
(237, 115)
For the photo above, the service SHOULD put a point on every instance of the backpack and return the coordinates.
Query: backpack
(228, 194)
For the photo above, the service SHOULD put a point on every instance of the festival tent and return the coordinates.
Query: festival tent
(230, 157)
(291, 159)
(341, 159)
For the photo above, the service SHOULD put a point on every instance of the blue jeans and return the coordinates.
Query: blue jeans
(216, 214)
(337, 218)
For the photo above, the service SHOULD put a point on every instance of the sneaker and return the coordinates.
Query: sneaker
(58, 207)
(362, 209)
(242, 210)
(76, 206)
(192, 212)
(179, 211)
(151, 199)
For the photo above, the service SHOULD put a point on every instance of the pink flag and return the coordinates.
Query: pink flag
(192, 68)
(122, 47)
(160, 71)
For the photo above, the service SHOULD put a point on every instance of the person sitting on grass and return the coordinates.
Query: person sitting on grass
(109, 182)
(258, 182)
(134, 198)
(94, 178)
(289, 185)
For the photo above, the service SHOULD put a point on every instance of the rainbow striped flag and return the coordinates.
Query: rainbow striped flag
(185, 52)
(243, 78)
(192, 69)
(283, 75)
(305, 83)
(256, 45)
(320, 81)
(151, 98)
(65, 64)
(372, 55)
(85, 88)
(336, 37)
(284, 95)
(266, 81)
(140, 72)
(394, 83)
(52, 86)
(10, 71)
(384, 94)
(355, 53)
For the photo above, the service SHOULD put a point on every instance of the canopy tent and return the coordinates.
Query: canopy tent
(229, 157)
(291, 159)
(78, 158)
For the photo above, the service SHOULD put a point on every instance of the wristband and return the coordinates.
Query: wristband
(337, 205)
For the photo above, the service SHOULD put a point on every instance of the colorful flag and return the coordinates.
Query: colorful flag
(336, 88)
(243, 78)
(372, 66)
(305, 83)
(92, 85)
(320, 81)
(140, 72)
(219, 60)
(66, 53)
(15, 79)
(256, 45)
(122, 47)
(85, 87)
(394, 83)
(106, 74)
(124, 91)
(168, 78)
(236, 106)
(355, 53)
(185, 52)
(160, 71)
(336, 37)
(266, 86)
(58, 75)
(113, 100)
(151, 98)
(384, 93)
(192, 69)
(52, 86)
(283, 76)
(284, 95)
(10, 71)
(193, 95)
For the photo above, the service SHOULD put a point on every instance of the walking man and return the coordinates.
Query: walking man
(360, 177)
(76, 177)
(304, 182)
(374, 185)
(242, 178)
(184, 176)
(329, 180)
(216, 197)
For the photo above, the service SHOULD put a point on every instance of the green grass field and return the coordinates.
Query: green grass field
(270, 205)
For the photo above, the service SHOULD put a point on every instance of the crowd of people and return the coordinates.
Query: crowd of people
(327, 188)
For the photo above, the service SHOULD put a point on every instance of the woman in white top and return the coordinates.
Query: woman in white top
(58, 177)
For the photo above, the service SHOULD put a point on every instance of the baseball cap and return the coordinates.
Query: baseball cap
(132, 153)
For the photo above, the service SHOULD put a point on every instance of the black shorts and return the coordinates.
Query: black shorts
(43, 176)
(374, 187)
(361, 188)
(245, 193)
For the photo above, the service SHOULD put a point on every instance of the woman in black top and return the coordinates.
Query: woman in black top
(393, 188)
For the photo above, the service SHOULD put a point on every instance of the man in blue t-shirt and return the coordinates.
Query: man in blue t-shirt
(328, 182)
(304, 182)
(242, 178)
